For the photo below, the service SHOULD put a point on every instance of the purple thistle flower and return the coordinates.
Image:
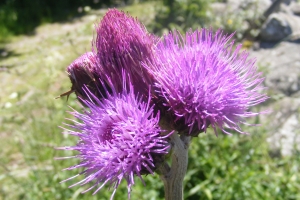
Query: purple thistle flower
(122, 43)
(204, 81)
(119, 137)
(84, 72)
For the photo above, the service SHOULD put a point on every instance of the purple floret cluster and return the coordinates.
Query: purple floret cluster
(137, 89)
(118, 137)
(204, 80)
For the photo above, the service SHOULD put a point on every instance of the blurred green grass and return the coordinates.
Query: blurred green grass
(223, 167)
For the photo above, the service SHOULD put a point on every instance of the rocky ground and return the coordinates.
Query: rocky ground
(282, 68)
(275, 25)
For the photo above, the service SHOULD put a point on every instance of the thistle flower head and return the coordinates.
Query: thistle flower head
(205, 81)
(83, 73)
(119, 138)
(122, 43)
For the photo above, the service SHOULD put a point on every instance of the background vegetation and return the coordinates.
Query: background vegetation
(22, 16)
(32, 75)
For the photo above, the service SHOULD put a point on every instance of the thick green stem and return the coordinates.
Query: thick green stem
(173, 176)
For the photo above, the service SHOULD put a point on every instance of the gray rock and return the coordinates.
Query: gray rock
(279, 26)
(257, 6)
(284, 128)
(287, 2)
(295, 8)
(286, 8)
(273, 8)
(285, 79)
(281, 66)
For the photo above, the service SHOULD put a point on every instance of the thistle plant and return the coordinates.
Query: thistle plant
(145, 98)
